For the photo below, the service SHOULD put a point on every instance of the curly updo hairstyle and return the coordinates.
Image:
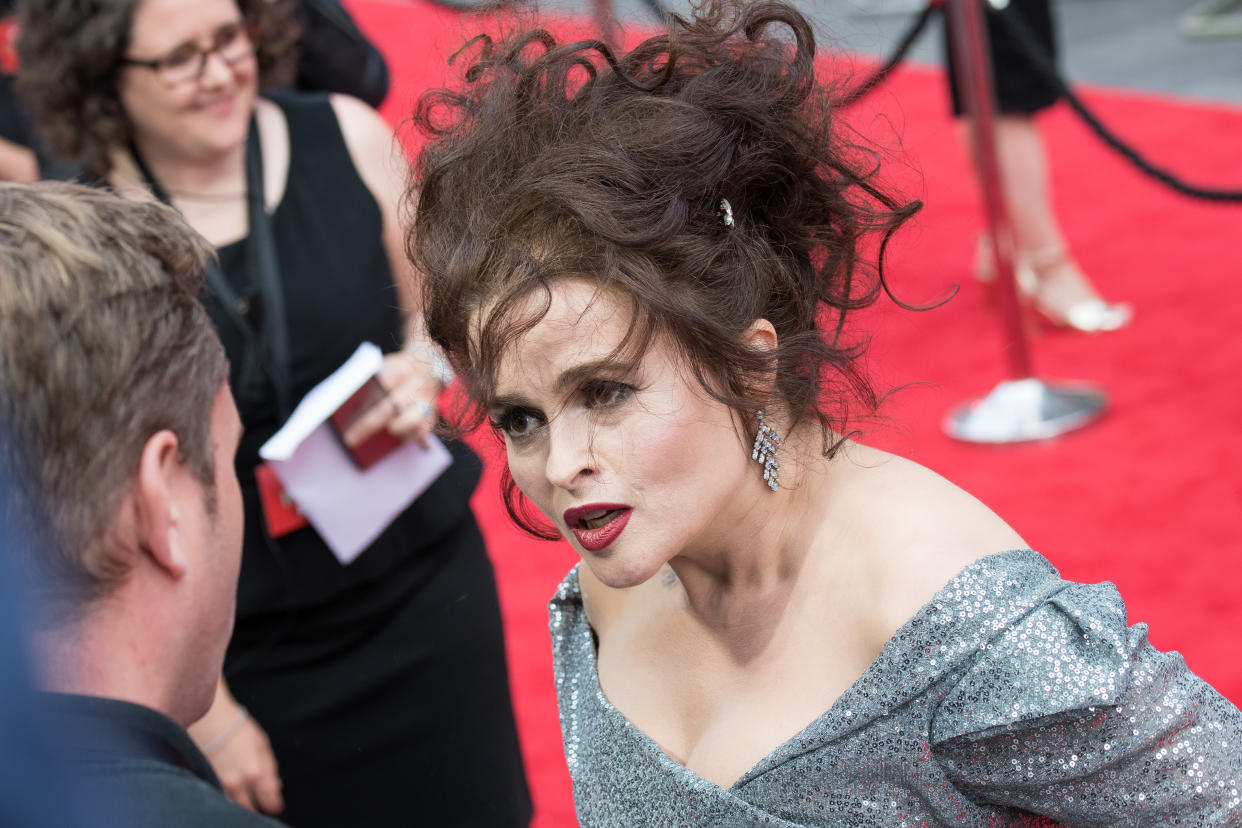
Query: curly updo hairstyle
(563, 160)
(70, 54)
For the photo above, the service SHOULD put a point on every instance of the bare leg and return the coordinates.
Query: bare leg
(1062, 292)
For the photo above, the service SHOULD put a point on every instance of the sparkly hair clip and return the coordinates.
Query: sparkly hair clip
(725, 212)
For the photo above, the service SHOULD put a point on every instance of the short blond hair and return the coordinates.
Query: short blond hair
(103, 342)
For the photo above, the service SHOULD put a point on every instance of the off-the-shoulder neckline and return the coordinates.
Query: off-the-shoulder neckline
(839, 718)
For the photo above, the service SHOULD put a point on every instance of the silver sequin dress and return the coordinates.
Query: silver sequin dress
(1012, 698)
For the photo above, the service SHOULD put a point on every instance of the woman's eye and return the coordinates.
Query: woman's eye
(227, 35)
(517, 423)
(181, 57)
(604, 394)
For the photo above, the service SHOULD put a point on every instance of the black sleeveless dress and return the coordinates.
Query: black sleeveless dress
(381, 684)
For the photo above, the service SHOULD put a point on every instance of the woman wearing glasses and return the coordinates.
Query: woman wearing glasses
(381, 683)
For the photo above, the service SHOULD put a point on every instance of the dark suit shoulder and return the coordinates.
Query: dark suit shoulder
(154, 794)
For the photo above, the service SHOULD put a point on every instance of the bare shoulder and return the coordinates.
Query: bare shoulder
(274, 136)
(271, 117)
(373, 148)
(365, 130)
(919, 531)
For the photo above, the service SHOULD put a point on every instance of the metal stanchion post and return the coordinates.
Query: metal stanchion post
(606, 22)
(1022, 408)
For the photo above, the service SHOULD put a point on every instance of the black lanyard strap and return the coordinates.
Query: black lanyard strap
(261, 249)
(269, 347)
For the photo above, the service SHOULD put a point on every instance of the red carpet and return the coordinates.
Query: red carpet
(1150, 498)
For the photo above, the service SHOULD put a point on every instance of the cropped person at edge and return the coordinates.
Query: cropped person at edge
(347, 690)
(121, 434)
(643, 265)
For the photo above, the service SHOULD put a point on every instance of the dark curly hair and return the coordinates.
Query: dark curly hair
(557, 160)
(70, 55)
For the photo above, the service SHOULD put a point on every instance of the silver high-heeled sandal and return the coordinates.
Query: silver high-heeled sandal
(1090, 315)
(1032, 270)
(985, 270)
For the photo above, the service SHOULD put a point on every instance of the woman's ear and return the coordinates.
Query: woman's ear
(760, 335)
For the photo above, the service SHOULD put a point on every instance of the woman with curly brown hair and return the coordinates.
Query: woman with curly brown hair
(381, 682)
(643, 266)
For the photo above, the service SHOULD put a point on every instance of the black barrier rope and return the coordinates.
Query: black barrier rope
(1033, 51)
(899, 54)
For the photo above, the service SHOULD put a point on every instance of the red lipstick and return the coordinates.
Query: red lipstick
(596, 525)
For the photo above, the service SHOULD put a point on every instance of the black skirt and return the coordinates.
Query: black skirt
(393, 717)
(1021, 87)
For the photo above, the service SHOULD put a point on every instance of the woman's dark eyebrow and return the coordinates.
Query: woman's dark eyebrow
(578, 374)
(569, 379)
(506, 401)
(194, 41)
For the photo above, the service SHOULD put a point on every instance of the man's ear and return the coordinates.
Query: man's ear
(157, 505)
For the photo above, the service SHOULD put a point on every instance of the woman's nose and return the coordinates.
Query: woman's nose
(570, 458)
(216, 70)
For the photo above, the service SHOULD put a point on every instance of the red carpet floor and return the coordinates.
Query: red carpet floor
(1150, 498)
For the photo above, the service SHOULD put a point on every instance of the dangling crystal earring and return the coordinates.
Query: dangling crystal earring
(767, 443)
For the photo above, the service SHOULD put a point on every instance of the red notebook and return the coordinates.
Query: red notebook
(8, 45)
(374, 448)
(279, 511)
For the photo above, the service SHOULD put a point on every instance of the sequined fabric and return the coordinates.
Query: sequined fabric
(1012, 698)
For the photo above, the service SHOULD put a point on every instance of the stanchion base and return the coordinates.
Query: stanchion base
(1019, 410)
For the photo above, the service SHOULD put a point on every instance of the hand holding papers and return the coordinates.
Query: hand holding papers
(371, 450)
(349, 506)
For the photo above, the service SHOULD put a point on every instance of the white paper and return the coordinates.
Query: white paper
(325, 398)
(349, 507)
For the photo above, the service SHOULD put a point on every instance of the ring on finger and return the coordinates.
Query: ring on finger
(423, 408)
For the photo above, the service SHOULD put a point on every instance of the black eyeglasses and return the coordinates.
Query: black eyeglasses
(186, 63)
